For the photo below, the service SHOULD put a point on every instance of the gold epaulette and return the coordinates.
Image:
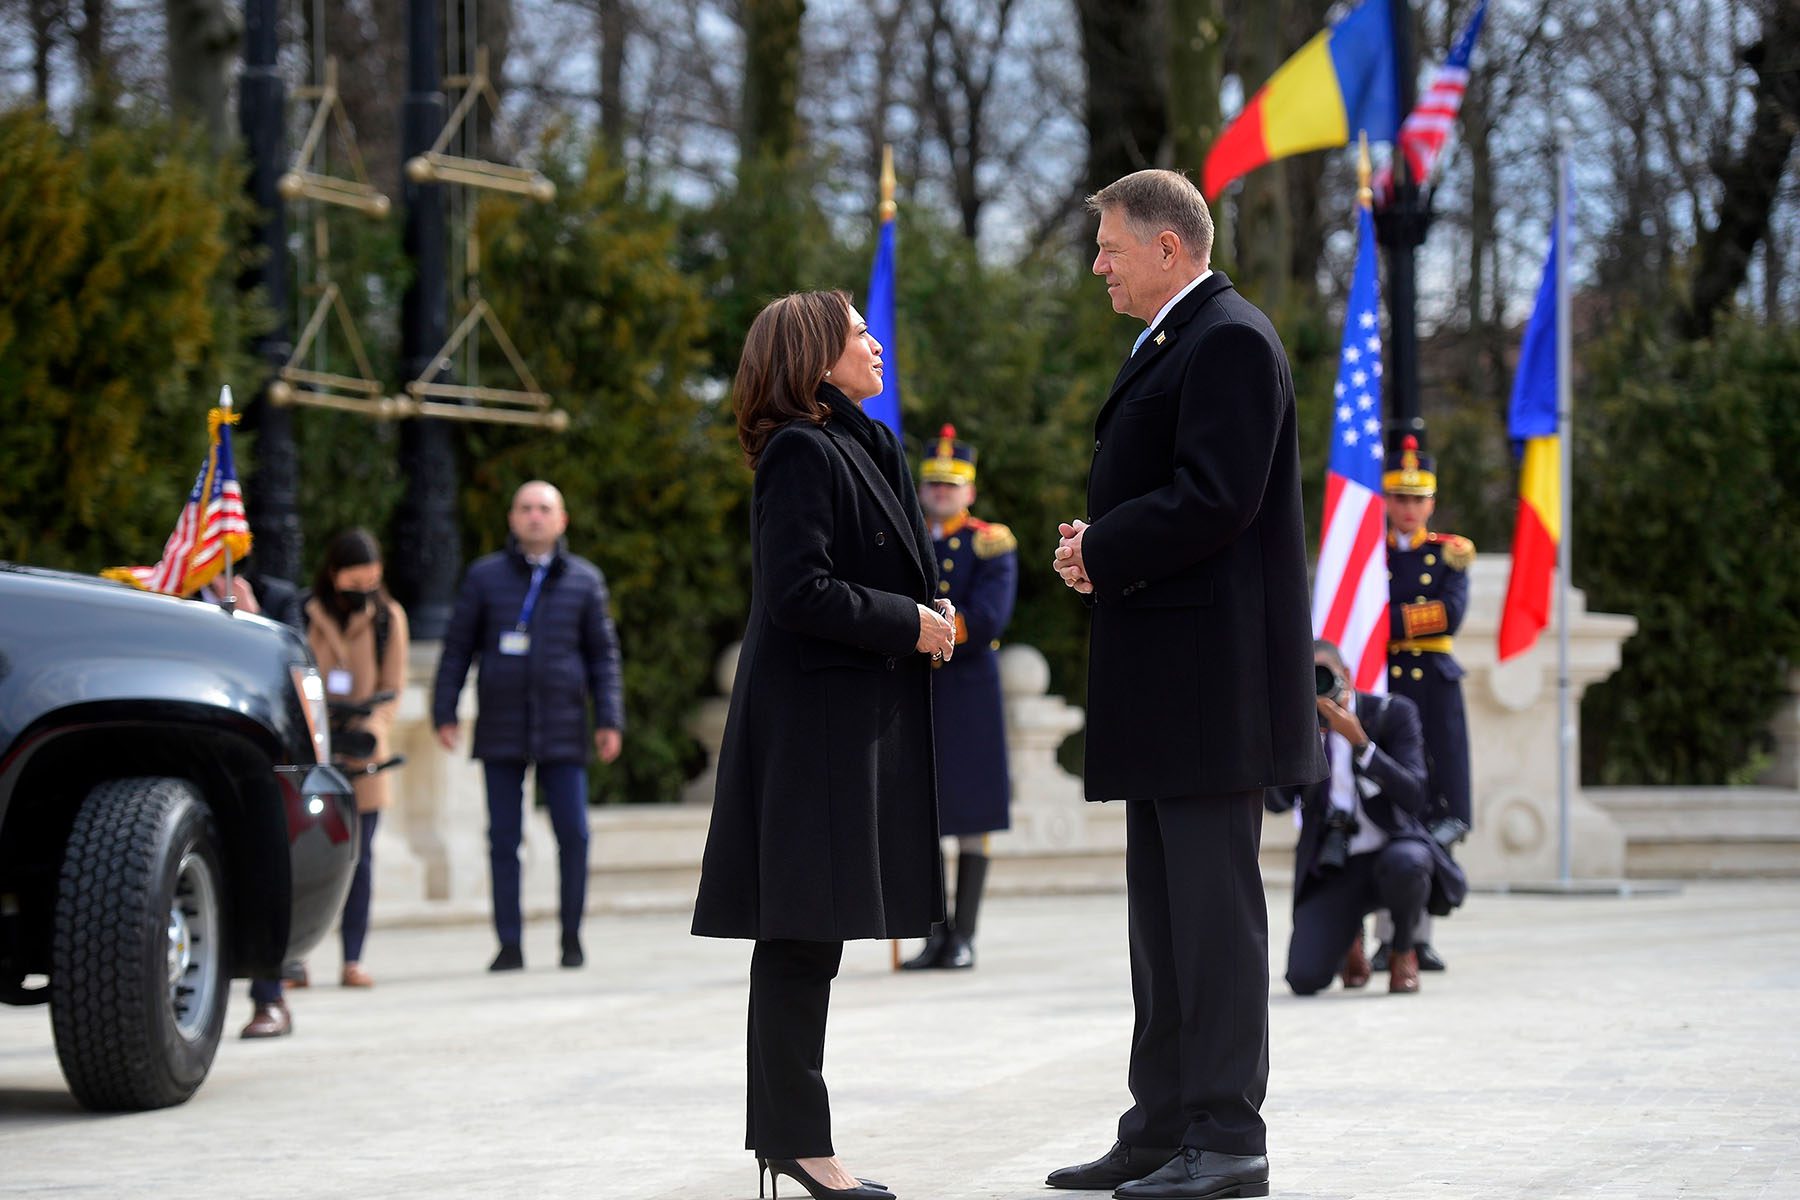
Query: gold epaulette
(993, 539)
(1459, 551)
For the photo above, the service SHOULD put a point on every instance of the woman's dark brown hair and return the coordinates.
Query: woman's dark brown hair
(349, 548)
(790, 346)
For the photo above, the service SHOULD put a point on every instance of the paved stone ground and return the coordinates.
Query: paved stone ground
(1638, 1048)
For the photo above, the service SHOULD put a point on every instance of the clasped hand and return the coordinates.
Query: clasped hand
(1068, 562)
(937, 630)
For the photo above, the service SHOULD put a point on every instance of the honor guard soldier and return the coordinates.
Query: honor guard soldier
(978, 571)
(1428, 592)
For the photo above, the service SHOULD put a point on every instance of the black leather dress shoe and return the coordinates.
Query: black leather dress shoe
(1428, 958)
(1202, 1175)
(1122, 1164)
(510, 958)
(1380, 961)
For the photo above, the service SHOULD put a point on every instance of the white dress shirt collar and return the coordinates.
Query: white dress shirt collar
(1176, 298)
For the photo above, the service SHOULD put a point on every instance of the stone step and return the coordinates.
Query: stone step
(1727, 832)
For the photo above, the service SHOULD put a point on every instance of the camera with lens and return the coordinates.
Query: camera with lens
(1334, 843)
(1327, 682)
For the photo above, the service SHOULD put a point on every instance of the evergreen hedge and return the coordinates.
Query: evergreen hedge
(120, 315)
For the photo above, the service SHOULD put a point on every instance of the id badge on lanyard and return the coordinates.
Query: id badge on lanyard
(517, 640)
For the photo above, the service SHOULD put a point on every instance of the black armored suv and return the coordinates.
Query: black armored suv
(169, 820)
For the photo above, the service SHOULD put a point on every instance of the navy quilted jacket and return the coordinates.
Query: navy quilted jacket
(533, 706)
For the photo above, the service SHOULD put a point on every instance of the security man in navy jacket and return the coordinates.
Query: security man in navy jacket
(539, 620)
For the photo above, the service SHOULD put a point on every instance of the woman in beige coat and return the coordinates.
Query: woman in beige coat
(359, 637)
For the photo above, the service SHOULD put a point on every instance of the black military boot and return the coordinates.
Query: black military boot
(971, 878)
(932, 956)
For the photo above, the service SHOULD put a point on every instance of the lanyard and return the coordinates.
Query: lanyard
(531, 596)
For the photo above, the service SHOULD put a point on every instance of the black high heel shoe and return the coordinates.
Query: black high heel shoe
(777, 1167)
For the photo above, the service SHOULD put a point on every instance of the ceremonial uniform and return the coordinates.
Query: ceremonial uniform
(1428, 593)
(978, 565)
(978, 572)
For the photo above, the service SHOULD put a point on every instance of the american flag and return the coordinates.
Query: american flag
(195, 553)
(1350, 589)
(1427, 128)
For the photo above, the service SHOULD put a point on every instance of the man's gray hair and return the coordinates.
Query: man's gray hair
(1152, 201)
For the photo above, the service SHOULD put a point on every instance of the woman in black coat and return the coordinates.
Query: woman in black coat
(824, 823)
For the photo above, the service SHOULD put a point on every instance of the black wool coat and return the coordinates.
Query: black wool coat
(824, 823)
(1200, 677)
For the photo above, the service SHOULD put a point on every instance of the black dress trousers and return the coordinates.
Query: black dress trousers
(789, 1113)
(1332, 906)
(1199, 973)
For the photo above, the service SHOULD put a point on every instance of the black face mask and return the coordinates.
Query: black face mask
(357, 601)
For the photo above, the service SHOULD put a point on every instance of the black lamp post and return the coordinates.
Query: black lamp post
(273, 487)
(1401, 227)
(426, 554)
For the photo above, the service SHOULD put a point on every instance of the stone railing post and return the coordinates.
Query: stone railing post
(439, 798)
(1784, 768)
(1513, 739)
(1049, 810)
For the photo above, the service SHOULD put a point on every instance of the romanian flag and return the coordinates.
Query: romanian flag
(1340, 83)
(1532, 424)
(879, 310)
(212, 523)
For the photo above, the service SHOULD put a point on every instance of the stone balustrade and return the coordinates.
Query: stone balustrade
(431, 851)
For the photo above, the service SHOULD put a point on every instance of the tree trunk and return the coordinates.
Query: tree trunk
(203, 37)
(90, 51)
(1772, 276)
(614, 24)
(42, 16)
(770, 126)
(1126, 113)
(1196, 71)
(1751, 181)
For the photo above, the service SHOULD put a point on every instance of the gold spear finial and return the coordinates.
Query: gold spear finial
(888, 207)
(1364, 196)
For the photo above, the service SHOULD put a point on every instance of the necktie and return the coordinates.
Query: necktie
(1140, 340)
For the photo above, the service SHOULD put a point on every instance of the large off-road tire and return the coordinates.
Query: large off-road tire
(138, 979)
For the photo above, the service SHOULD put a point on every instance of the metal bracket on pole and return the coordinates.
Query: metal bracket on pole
(301, 182)
(366, 395)
(435, 166)
(426, 398)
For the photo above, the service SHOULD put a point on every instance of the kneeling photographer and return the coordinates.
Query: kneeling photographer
(1362, 844)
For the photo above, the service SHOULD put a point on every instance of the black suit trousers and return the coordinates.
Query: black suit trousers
(789, 1113)
(1396, 877)
(1199, 973)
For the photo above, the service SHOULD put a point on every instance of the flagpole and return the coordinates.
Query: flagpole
(227, 592)
(1565, 428)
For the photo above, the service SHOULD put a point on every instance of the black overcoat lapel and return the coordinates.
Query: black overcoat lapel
(1167, 336)
(877, 486)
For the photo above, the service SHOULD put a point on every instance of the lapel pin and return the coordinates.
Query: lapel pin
(1158, 339)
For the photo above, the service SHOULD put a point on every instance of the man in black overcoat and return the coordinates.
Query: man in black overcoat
(1200, 682)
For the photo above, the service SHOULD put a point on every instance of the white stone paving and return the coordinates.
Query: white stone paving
(1638, 1048)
